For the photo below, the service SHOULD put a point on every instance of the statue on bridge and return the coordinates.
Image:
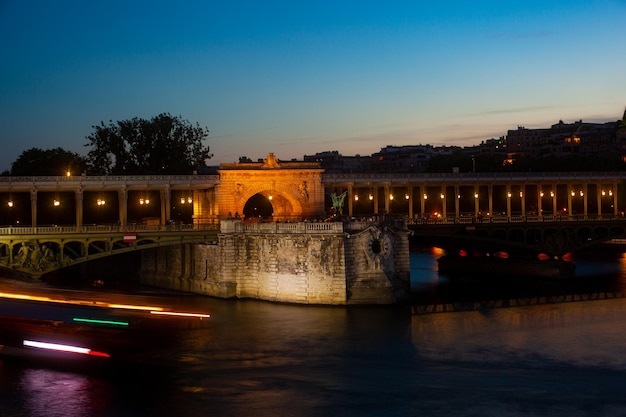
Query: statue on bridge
(338, 201)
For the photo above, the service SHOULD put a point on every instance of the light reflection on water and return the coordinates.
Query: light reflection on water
(258, 358)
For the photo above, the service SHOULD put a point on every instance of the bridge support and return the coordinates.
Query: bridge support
(306, 263)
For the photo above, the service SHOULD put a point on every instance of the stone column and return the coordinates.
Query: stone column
(508, 201)
(457, 194)
(387, 197)
(443, 201)
(569, 199)
(476, 199)
(375, 200)
(423, 197)
(554, 200)
(409, 192)
(166, 204)
(33, 207)
(122, 196)
(615, 211)
(585, 201)
(350, 199)
(79, 207)
(539, 201)
(523, 199)
(490, 194)
(599, 199)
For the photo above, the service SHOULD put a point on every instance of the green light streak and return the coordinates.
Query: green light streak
(117, 323)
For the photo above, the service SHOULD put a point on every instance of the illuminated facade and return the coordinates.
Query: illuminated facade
(291, 190)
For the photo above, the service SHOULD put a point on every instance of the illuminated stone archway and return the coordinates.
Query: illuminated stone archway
(293, 188)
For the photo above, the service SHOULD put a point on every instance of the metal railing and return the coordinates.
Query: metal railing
(517, 219)
(38, 230)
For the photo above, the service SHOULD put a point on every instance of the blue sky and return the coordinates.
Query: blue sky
(296, 78)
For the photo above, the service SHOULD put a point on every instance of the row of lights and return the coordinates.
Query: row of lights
(509, 195)
(101, 201)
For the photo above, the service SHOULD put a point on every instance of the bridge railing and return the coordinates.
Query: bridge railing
(37, 230)
(516, 219)
(237, 226)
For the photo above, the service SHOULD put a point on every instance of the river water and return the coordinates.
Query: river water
(262, 359)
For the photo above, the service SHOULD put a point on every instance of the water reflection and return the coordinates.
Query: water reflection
(52, 393)
(264, 359)
(581, 334)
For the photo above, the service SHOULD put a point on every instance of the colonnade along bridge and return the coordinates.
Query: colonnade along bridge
(52, 222)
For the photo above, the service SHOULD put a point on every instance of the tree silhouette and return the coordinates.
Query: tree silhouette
(57, 161)
(161, 145)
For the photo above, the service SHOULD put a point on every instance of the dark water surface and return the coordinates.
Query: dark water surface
(261, 359)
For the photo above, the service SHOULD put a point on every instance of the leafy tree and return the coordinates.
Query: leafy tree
(57, 161)
(161, 145)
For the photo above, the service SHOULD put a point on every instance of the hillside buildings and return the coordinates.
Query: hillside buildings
(603, 141)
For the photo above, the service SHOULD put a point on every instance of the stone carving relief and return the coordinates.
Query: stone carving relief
(35, 257)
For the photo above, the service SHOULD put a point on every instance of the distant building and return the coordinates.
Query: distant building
(561, 140)
(410, 158)
(566, 140)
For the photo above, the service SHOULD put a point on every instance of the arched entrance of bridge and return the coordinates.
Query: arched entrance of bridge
(258, 207)
(272, 189)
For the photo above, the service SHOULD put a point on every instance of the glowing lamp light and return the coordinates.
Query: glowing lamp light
(406, 196)
(56, 203)
(356, 197)
(371, 197)
(101, 202)
(10, 203)
(64, 348)
(391, 196)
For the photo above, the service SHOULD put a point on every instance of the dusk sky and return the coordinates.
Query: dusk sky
(296, 78)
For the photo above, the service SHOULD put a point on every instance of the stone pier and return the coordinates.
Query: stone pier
(308, 263)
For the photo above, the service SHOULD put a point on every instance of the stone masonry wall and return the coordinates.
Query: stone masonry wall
(306, 268)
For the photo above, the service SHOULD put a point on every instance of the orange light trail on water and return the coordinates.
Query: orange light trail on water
(93, 303)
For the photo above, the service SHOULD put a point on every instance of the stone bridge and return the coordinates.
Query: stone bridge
(553, 236)
(34, 251)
